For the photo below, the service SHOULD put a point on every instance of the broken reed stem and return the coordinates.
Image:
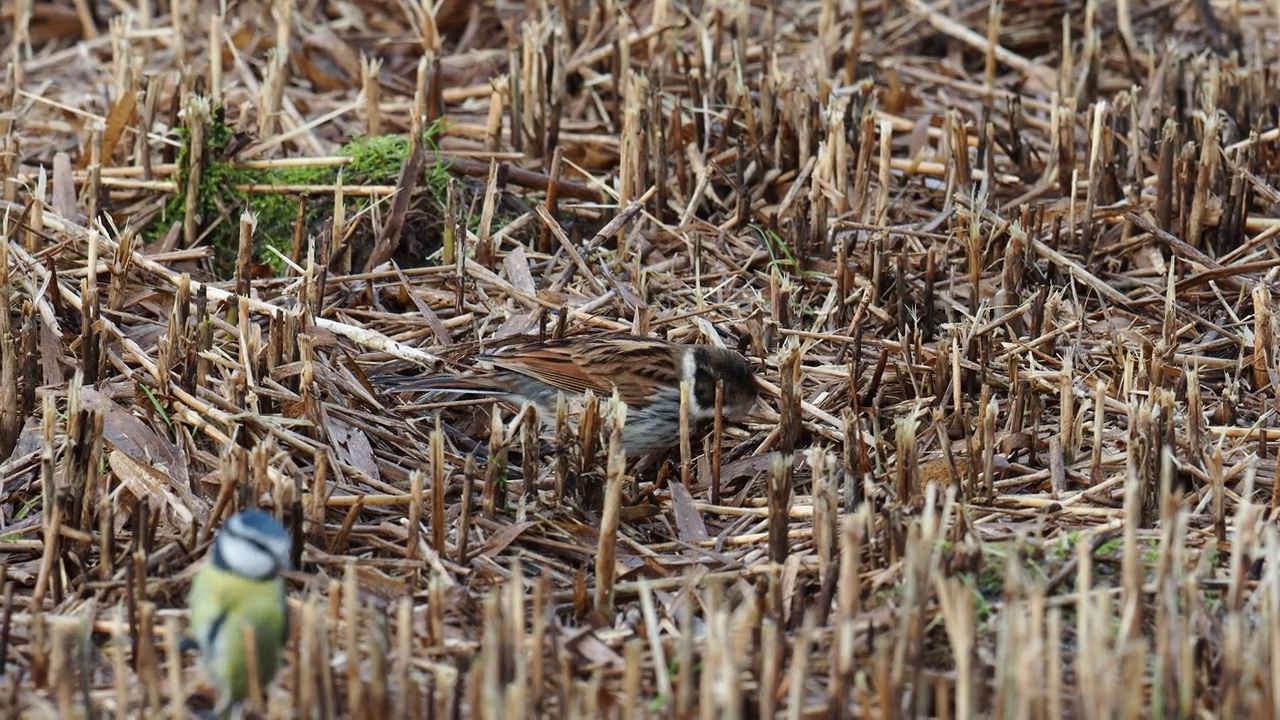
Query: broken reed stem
(609, 519)
(404, 655)
(484, 237)
(770, 667)
(632, 667)
(1066, 399)
(118, 650)
(61, 667)
(416, 480)
(516, 636)
(541, 608)
(686, 441)
(1206, 169)
(957, 606)
(1131, 600)
(908, 466)
(244, 255)
(1099, 423)
(379, 694)
(197, 117)
(780, 469)
(147, 665)
(304, 690)
(530, 446)
(987, 444)
(848, 605)
(438, 490)
(371, 94)
(495, 486)
(781, 463)
(717, 443)
(177, 696)
(487, 676)
(685, 656)
(649, 612)
(12, 416)
(464, 514)
(825, 518)
(351, 638)
(773, 149)
(551, 203)
(800, 658)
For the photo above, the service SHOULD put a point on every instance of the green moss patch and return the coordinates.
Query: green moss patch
(374, 161)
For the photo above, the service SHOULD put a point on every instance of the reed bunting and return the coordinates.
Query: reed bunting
(646, 372)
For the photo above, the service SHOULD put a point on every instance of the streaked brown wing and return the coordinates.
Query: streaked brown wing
(552, 365)
(635, 367)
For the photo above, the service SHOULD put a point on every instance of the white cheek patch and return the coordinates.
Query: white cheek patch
(245, 558)
(689, 374)
(271, 539)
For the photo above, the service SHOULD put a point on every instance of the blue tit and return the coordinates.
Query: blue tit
(240, 586)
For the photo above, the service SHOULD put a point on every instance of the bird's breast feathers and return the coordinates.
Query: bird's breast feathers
(218, 593)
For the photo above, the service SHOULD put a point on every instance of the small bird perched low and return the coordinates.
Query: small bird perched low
(646, 373)
(240, 586)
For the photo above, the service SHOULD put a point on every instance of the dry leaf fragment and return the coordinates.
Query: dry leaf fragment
(145, 481)
(326, 61)
(149, 465)
(688, 519)
(352, 446)
(129, 434)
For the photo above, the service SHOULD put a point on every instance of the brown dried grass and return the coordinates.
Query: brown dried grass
(1008, 271)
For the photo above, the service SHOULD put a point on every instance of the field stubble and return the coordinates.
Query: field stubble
(1007, 271)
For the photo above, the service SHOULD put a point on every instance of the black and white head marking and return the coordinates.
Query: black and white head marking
(703, 367)
(252, 544)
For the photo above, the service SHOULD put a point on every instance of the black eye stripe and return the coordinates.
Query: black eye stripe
(220, 560)
(257, 544)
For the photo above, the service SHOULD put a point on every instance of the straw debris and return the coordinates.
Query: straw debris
(1007, 271)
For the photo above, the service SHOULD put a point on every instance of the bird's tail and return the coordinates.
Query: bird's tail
(437, 383)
